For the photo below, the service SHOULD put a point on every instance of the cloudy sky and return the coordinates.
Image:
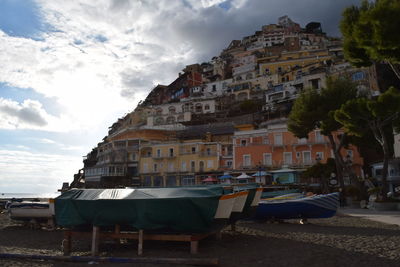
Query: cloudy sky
(69, 69)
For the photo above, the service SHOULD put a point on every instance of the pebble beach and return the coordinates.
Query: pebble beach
(337, 241)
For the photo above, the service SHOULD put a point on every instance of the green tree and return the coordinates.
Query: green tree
(322, 171)
(371, 33)
(358, 116)
(315, 109)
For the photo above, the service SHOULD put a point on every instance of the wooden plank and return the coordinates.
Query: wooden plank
(95, 241)
(140, 243)
(138, 260)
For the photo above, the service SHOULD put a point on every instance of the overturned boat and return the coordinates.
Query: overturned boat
(317, 206)
(189, 209)
(28, 210)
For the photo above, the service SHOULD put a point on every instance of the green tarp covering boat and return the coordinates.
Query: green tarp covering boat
(178, 209)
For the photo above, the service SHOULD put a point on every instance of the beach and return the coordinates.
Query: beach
(337, 241)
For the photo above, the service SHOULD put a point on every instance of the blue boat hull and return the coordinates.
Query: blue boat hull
(299, 208)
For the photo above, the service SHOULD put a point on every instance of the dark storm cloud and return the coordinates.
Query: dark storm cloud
(211, 29)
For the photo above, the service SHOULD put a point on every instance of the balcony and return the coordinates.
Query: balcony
(207, 154)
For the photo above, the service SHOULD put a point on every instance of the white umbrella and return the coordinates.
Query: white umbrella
(243, 176)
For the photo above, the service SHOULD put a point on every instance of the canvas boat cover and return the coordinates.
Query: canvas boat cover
(183, 209)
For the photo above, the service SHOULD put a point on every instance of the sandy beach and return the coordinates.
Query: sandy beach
(338, 241)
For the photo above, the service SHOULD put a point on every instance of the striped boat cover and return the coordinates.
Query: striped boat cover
(328, 201)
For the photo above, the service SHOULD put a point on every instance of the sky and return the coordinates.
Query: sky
(69, 69)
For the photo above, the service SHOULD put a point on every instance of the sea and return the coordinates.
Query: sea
(28, 195)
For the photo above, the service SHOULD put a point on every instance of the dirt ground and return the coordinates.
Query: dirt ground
(338, 241)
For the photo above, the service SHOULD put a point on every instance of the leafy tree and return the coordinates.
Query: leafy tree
(315, 109)
(322, 171)
(371, 33)
(361, 115)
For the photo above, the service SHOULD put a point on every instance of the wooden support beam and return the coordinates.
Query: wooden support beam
(140, 243)
(66, 243)
(95, 240)
(194, 247)
(218, 235)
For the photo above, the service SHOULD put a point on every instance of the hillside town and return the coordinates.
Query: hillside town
(288, 140)
(226, 119)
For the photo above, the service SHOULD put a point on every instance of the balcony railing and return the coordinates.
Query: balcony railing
(207, 154)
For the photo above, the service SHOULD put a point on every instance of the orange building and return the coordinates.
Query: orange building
(275, 147)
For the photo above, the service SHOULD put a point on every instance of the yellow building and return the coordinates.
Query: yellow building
(178, 163)
(291, 64)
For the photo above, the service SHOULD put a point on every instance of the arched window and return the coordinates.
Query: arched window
(186, 107)
(170, 120)
(181, 118)
(158, 121)
(198, 108)
(171, 110)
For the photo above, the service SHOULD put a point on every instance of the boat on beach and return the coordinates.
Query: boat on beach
(178, 209)
(295, 207)
(28, 210)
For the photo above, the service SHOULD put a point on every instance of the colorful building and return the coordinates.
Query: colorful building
(275, 147)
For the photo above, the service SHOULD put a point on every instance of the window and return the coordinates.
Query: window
(265, 140)
(181, 118)
(350, 153)
(287, 158)
(171, 180)
(207, 107)
(278, 139)
(158, 181)
(210, 164)
(171, 110)
(201, 166)
(246, 160)
(319, 138)
(214, 88)
(192, 166)
(171, 167)
(147, 181)
(307, 157)
(198, 108)
(170, 120)
(159, 120)
(193, 150)
(319, 156)
(155, 167)
(158, 153)
(267, 159)
(188, 180)
(208, 151)
(183, 167)
(171, 152)
(229, 163)
(302, 140)
(243, 142)
(315, 83)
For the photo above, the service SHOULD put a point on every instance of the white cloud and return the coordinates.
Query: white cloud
(103, 56)
(29, 114)
(23, 171)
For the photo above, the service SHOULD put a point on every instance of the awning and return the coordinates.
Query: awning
(243, 176)
(210, 179)
(261, 173)
(225, 176)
